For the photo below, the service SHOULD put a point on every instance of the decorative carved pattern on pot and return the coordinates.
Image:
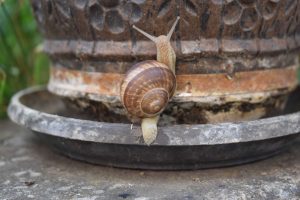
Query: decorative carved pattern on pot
(91, 20)
(217, 27)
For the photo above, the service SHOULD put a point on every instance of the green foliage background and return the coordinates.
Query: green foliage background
(21, 62)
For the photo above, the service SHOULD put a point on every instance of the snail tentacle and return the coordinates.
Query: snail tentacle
(150, 37)
(173, 29)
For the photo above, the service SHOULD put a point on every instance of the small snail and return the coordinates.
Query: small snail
(148, 86)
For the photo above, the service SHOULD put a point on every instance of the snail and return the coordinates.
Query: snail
(149, 85)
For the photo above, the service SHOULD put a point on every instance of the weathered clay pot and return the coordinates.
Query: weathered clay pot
(236, 59)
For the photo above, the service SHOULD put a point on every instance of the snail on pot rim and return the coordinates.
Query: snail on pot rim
(149, 85)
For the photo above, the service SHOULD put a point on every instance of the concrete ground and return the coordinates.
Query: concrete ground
(31, 170)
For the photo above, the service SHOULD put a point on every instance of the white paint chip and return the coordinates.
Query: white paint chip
(23, 158)
(2, 163)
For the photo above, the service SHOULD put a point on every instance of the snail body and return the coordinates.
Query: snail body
(149, 85)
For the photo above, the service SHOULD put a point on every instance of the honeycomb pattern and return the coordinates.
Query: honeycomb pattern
(109, 19)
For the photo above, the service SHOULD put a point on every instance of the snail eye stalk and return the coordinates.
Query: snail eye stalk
(152, 38)
(173, 28)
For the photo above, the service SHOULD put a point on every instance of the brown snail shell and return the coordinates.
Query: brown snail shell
(147, 88)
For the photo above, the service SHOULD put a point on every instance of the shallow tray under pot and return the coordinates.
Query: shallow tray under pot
(177, 146)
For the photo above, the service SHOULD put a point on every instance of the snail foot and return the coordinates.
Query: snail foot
(149, 129)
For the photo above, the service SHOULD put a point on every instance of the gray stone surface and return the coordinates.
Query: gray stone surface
(30, 170)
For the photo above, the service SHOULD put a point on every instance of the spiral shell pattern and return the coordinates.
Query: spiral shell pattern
(147, 88)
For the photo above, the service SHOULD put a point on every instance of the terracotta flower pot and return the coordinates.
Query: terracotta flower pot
(236, 59)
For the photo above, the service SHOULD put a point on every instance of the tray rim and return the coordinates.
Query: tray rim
(172, 135)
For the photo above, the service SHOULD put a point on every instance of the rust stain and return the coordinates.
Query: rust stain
(242, 82)
(194, 84)
(88, 82)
